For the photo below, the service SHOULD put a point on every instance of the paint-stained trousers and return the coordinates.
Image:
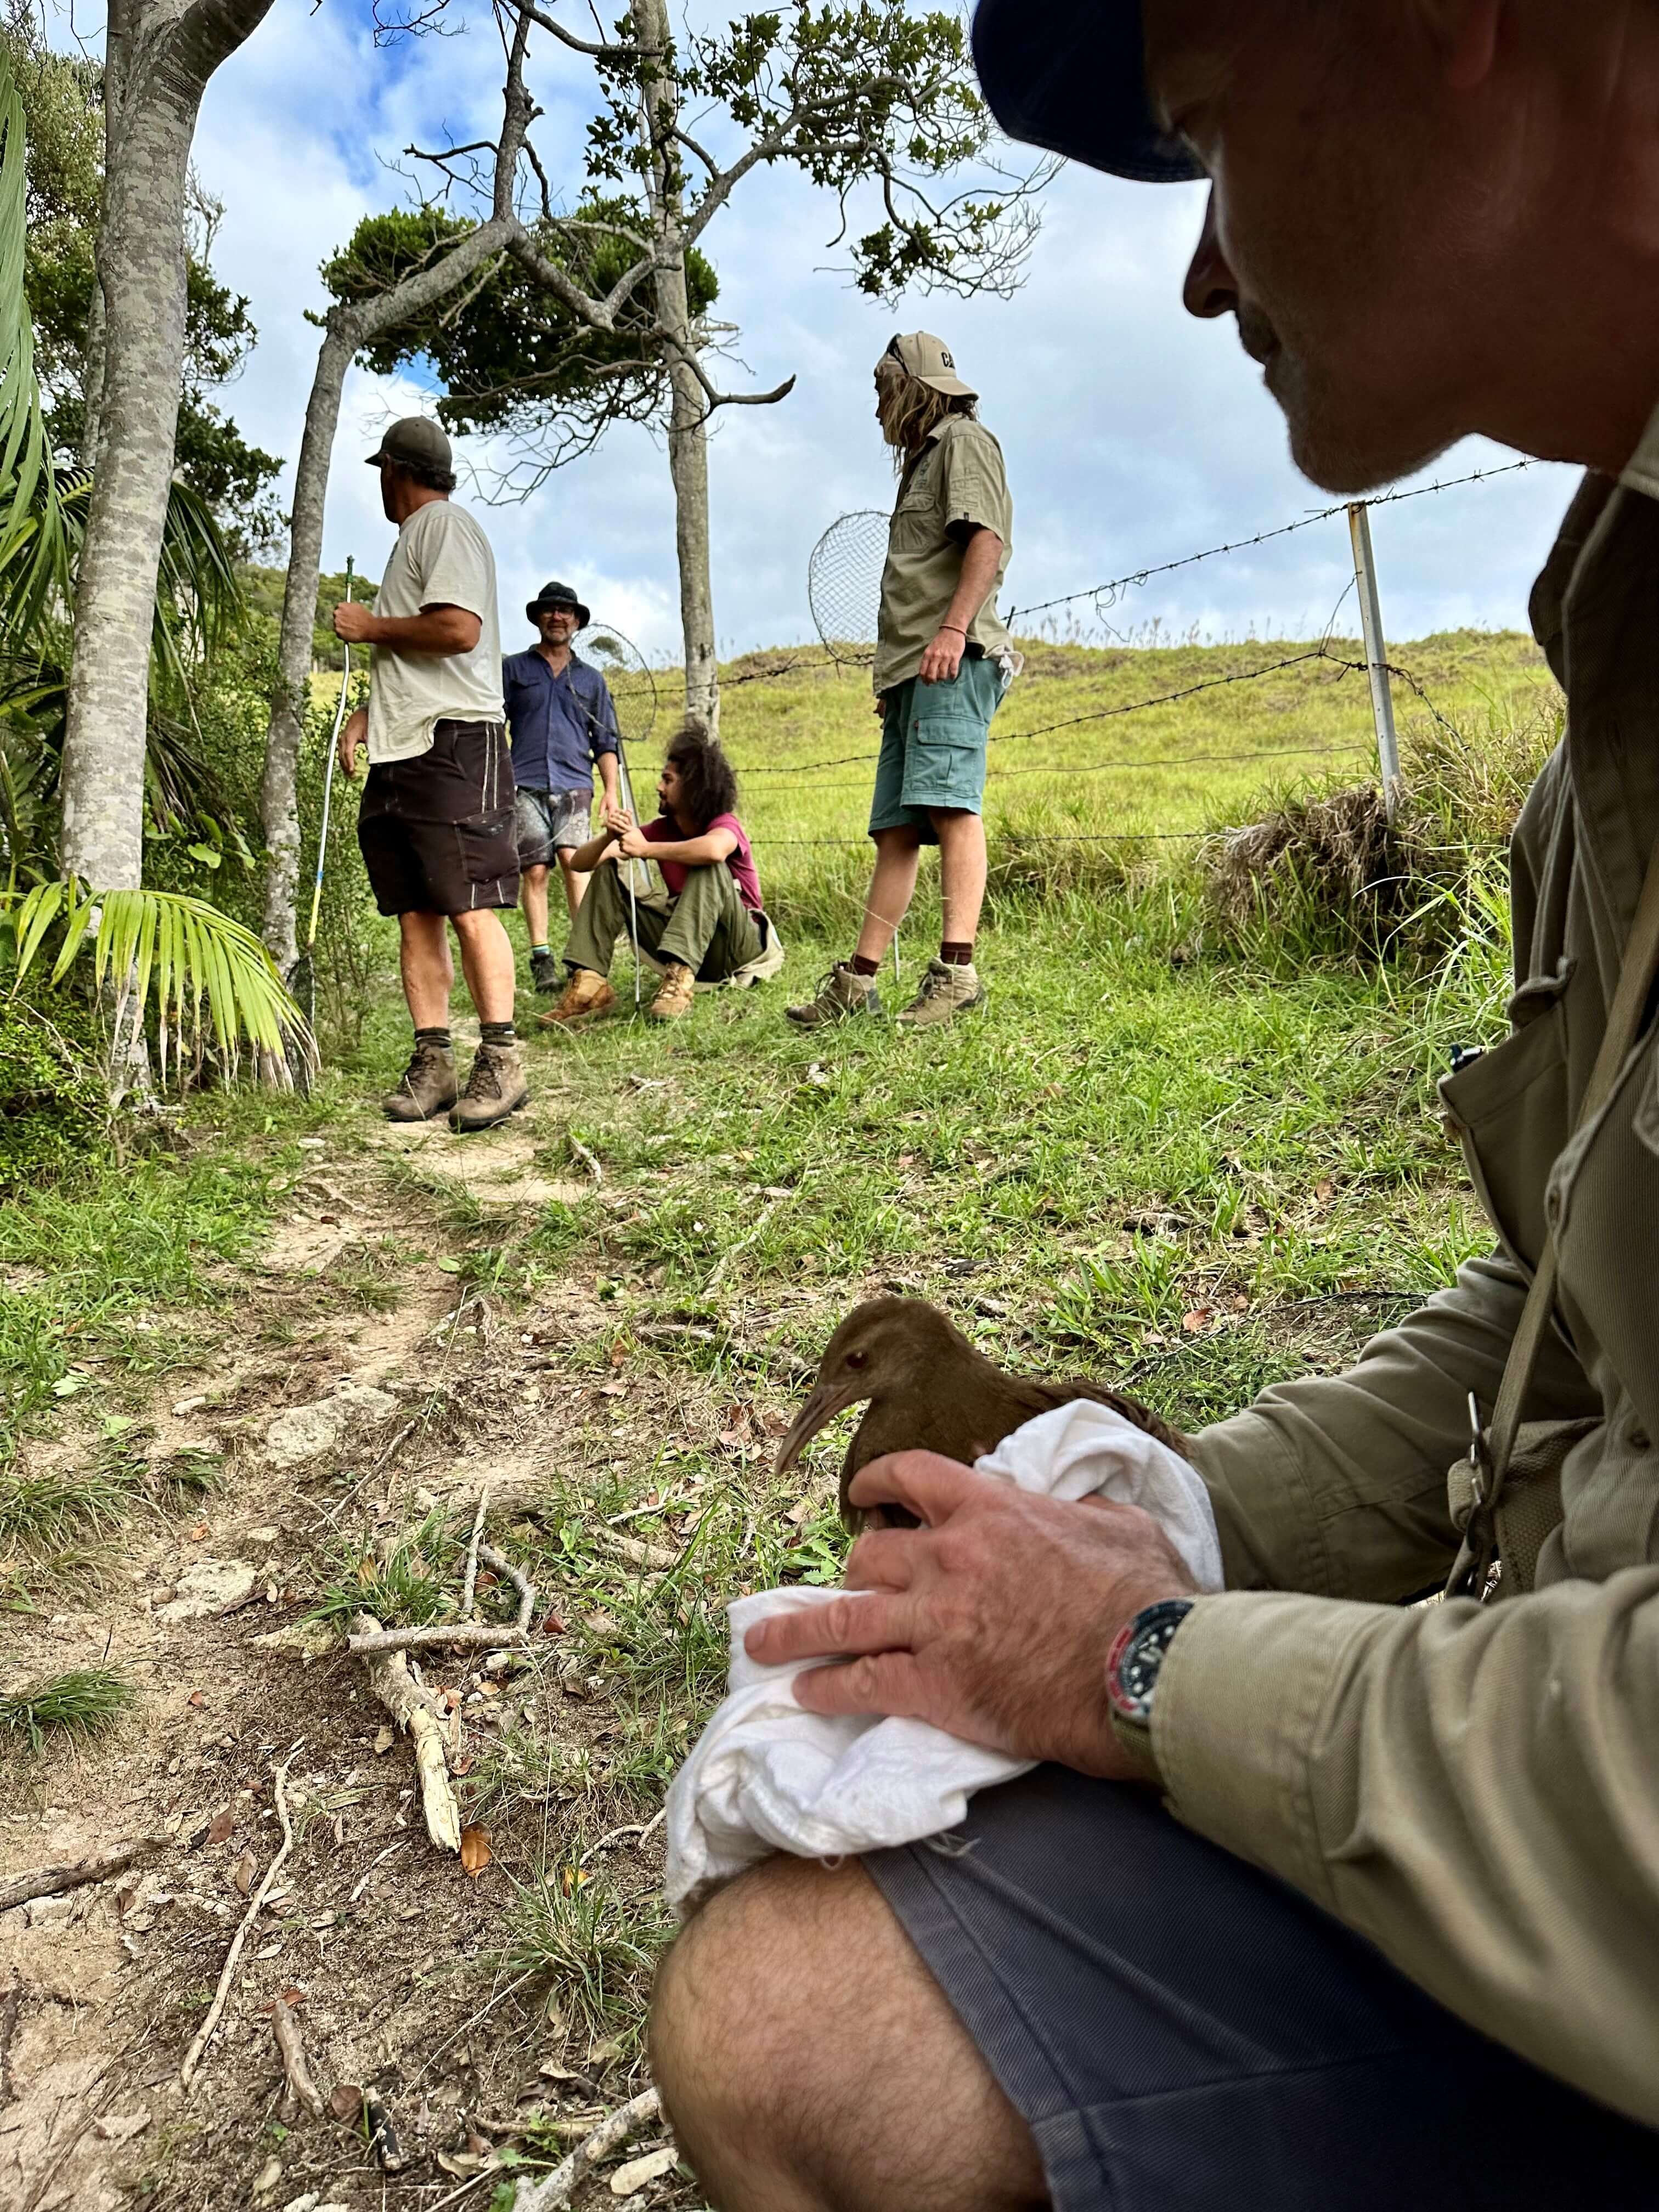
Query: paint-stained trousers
(708, 928)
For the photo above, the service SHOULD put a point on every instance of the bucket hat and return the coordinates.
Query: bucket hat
(1071, 75)
(557, 595)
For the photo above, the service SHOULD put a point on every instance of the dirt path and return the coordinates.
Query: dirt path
(393, 1387)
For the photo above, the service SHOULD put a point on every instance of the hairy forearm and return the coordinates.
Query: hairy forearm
(587, 857)
(438, 630)
(608, 777)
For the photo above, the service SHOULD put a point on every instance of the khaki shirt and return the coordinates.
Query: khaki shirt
(441, 559)
(1477, 1790)
(958, 477)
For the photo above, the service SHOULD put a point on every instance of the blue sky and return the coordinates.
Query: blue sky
(1132, 434)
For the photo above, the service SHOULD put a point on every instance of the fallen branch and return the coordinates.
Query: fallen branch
(486, 1635)
(228, 1973)
(302, 2089)
(635, 1833)
(586, 1157)
(637, 1551)
(560, 2185)
(470, 1585)
(520, 1581)
(417, 1711)
(75, 1874)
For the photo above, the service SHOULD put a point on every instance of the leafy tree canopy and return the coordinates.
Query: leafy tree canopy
(506, 353)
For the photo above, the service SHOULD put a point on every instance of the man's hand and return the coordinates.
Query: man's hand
(353, 621)
(993, 1621)
(633, 844)
(353, 731)
(614, 817)
(943, 658)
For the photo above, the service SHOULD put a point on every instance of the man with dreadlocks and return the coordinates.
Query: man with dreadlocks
(943, 661)
(710, 927)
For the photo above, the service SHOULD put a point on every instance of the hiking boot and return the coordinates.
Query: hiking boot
(546, 973)
(842, 994)
(584, 994)
(945, 993)
(673, 998)
(425, 1089)
(494, 1089)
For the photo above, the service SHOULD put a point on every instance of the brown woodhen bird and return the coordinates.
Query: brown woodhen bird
(928, 1389)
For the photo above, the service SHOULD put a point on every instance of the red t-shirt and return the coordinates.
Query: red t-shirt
(740, 860)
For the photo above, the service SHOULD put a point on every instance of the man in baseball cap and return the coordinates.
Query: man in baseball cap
(436, 825)
(943, 661)
(1323, 1901)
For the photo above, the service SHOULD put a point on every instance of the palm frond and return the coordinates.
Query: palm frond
(190, 967)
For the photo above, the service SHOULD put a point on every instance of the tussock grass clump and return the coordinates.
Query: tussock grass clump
(82, 1703)
(598, 1952)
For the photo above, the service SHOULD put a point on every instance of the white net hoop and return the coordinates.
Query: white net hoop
(843, 585)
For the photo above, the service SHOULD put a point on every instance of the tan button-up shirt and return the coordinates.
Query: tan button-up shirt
(957, 480)
(1477, 1790)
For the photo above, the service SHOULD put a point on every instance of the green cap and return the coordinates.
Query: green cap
(416, 441)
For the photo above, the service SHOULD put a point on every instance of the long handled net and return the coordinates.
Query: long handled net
(304, 984)
(843, 585)
(633, 687)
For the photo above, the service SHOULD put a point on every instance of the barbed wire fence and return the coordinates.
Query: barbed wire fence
(1381, 672)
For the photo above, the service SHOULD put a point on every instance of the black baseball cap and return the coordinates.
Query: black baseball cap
(1071, 75)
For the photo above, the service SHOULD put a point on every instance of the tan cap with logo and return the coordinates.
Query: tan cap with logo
(931, 361)
(418, 440)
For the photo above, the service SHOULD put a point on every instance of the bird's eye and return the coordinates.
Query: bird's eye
(858, 1359)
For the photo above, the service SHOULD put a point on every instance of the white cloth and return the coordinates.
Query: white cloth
(765, 1775)
(441, 559)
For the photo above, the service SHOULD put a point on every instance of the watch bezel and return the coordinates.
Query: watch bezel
(1158, 1621)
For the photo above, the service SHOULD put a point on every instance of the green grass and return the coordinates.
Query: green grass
(82, 1703)
(571, 1929)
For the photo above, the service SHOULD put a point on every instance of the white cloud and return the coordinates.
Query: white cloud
(1134, 435)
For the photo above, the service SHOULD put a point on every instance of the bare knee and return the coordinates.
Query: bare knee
(810, 2063)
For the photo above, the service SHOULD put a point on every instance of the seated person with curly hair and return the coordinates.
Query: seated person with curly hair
(707, 925)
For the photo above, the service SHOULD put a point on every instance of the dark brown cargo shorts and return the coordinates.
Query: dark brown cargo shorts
(436, 832)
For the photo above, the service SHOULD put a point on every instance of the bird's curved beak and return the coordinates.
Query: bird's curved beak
(820, 1409)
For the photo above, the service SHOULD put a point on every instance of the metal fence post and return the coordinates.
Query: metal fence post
(1376, 655)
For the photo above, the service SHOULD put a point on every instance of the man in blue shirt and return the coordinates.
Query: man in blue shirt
(562, 726)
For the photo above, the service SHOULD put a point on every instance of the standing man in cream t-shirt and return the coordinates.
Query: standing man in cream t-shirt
(436, 828)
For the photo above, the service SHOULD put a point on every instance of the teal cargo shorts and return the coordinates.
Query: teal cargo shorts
(933, 747)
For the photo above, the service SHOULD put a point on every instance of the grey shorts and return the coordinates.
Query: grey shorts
(933, 737)
(546, 820)
(1184, 2034)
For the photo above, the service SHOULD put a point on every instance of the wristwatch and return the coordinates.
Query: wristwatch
(1132, 1667)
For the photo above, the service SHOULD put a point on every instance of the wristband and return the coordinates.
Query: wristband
(954, 626)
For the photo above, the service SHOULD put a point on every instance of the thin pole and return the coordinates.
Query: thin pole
(1376, 654)
(627, 866)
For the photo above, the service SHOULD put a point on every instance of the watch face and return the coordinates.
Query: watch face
(1136, 1656)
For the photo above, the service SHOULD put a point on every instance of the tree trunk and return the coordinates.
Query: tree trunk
(163, 61)
(279, 786)
(687, 421)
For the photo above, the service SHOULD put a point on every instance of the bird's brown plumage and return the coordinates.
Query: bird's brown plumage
(928, 1389)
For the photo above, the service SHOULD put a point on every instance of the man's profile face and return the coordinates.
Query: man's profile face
(1349, 230)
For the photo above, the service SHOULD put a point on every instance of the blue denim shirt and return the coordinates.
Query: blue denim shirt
(559, 725)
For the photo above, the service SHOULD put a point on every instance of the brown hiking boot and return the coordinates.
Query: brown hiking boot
(843, 994)
(945, 993)
(674, 993)
(425, 1089)
(494, 1089)
(585, 995)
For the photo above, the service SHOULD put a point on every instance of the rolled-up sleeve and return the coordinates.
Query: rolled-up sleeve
(974, 487)
(1474, 1790)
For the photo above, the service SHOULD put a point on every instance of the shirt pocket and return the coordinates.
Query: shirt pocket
(1510, 1111)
